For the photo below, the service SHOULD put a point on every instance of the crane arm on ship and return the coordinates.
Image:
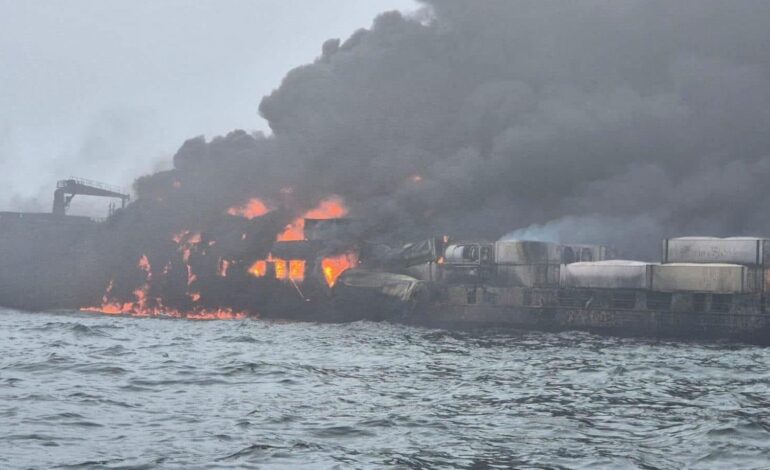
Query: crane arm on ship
(66, 190)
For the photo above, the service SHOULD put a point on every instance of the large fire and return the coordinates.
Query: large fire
(252, 209)
(133, 310)
(144, 306)
(192, 247)
(334, 266)
(140, 306)
(294, 269)
(332, 208)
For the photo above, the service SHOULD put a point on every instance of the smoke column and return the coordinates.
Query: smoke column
(615, 122)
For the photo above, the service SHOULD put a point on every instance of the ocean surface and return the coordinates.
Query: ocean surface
(84, 390)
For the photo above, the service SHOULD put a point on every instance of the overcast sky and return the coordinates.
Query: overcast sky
(108, 90)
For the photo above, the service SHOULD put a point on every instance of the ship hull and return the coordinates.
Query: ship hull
(743, 327)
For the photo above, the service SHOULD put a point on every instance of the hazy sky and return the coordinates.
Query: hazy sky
(108, 90)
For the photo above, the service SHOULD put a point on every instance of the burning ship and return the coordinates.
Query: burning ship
(322, 267)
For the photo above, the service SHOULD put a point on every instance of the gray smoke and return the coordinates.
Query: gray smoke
(616, 122)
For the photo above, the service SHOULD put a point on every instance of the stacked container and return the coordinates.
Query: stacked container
(613, 274)
(752, 254)
(705, 265)
(527, 263)
(714, 278)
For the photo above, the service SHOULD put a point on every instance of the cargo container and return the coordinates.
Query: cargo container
(613, 274)
(527, 252)
(530, 263)
(528, 275)
(735, 250)
(701, 277)
(675, 299)
(752, 252)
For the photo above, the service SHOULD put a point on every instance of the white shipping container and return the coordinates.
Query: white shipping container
(715, 278)
(528, 275)
(527, 252)
(614, 274)
(736, 250)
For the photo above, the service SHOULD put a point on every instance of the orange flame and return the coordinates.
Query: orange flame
(185, 239)
(293, 269)
(221, 314)
(334, 266)
(259, 268)
(331, 208)
(293, 232)
(252, 209)
(297, 270)
(143, 306)
(281, 272)
(131, 309)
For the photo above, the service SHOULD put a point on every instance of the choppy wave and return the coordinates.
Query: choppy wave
(83, 391)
